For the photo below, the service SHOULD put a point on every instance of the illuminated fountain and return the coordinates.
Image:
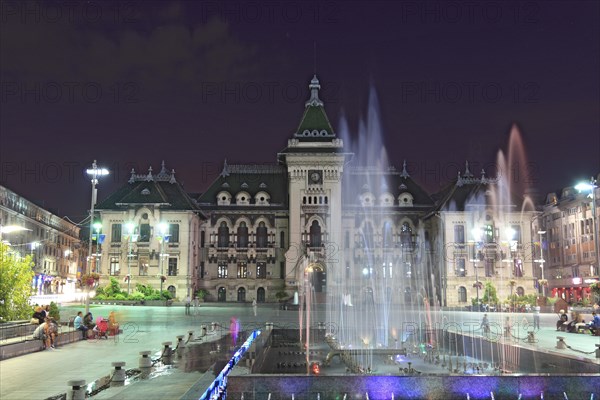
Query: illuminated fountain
(382, 332)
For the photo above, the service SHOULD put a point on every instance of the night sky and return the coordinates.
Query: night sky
(132, 83)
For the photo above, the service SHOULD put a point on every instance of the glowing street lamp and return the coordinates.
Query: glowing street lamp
(10, 229)
(94, 173)
(591, 186)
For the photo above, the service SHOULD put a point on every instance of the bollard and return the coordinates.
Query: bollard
(203, 331)
(167, 353)
(190, 336)
(145, 361)
(213, 326)
(561, 343)
(530, 337)
(180, 342)
(77, 389)
(598, 351)
(119, 374)
(269, 326)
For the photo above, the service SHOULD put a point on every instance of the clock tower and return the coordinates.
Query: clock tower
(315, 159)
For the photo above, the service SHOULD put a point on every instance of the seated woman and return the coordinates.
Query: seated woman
(51, 332)
(113, 325)
(88, 321)
(572, 325)
(38, 315)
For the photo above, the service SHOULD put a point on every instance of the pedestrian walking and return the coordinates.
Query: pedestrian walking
(254, 307)
(188, 305)
(485, 324)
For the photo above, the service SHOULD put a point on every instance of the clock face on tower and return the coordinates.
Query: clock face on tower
(315, 177)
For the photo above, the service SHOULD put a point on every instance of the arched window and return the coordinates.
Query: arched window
(315, 234)
(462, 294)
(406, 235)
(242, 235)
(172, 290)
(282, 240)
(261, 235)
(223, 235)
(520, 291)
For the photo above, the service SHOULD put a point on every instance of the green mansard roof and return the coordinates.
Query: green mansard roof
(160, 190)
(315, 125)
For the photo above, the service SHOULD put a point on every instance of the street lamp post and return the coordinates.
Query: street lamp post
(94, 173)
(163, 229)
(591, 186)
(541, 260)
(132, 237)
(97, 256)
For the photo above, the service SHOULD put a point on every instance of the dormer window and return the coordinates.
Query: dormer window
(367, 199)
(242, 199)
(405, 200)
(145, 192)
(224, 198)
(262, 198)
(386, 200)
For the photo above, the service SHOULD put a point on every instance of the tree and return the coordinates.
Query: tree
(490, 295)
(15, 285)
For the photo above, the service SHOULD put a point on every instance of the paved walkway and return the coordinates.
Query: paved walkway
(44, 374)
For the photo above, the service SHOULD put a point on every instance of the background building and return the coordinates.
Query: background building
(151, 231)
(53, 242)
(358, 232)
(571, 257)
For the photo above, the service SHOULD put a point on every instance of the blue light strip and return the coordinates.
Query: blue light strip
(217, 387)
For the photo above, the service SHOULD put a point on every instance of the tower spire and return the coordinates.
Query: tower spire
(314, 93)
(315, 57)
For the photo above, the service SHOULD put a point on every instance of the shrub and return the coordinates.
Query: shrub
(120, 296)
(166, 295)
(54, 312)
(113, 288)
(201, 293)
(100, 297)
(137, 296)
(145, 290)
(99, 291)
